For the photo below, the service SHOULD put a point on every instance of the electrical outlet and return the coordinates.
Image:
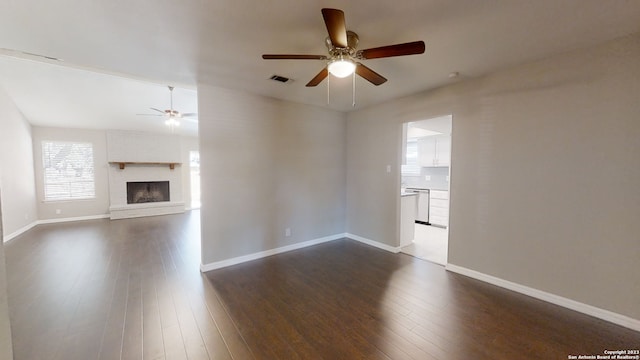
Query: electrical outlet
(388, 168)
(447, 178)
(287, 232)
(427, 177)
(58, 211)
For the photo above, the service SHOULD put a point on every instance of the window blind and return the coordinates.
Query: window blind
(68, 170)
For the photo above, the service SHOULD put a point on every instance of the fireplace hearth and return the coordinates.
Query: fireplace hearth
(147, 191)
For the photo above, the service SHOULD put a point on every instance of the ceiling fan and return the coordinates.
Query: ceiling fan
(172, 116)
(343, 57)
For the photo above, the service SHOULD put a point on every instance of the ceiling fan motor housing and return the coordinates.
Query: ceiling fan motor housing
(350, 50)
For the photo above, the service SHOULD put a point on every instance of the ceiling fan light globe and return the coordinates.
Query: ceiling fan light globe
(172, 122)
(341, 68)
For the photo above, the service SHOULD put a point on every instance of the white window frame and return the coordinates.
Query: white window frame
(74, 172)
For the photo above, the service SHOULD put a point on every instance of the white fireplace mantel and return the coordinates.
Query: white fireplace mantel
(123, 164)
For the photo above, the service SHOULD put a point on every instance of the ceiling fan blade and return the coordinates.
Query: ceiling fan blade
(318, 78)
(189, 115)
(158, 110)
(410, 48)
(370, 75)
(334, 19)
(293, 57)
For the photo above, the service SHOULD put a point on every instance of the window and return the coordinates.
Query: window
(194, 159)
(411, 167)
(68, 170)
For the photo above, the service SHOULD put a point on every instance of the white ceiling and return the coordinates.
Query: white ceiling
(60, 96)
(220, 43)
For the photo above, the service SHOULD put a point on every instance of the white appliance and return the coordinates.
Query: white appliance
(422, 211)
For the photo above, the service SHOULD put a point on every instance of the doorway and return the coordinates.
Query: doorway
(425, 174)
(194, 176)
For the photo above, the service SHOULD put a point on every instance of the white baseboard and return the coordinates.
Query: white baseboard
(596, 312)
(52, 221)
(20, 231)
(262, 254)
(77, 218)
(373, 243)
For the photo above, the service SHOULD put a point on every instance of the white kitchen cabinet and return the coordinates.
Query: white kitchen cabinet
(434, 151)
(439, 208)
(443, 150)
(427, 151)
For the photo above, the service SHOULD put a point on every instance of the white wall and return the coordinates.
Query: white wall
(373, 143)
(267, 165)
(73, 208)
(545, 173)
(16, 169)
(140, 146)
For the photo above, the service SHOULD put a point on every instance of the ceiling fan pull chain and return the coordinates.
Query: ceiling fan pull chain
(171, 98)
(328, 87)
(353, 94)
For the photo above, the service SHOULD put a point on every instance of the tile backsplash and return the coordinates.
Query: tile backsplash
(438, 178)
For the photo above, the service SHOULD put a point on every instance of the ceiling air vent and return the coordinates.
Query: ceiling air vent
(279, 78)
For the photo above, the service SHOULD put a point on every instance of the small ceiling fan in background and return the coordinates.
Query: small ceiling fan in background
(343, 57)
(171, 115)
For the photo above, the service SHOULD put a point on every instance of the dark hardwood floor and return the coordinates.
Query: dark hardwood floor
(131, 289)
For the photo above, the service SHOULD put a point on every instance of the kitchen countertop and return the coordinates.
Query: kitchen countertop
(426, 188)
(405, 193)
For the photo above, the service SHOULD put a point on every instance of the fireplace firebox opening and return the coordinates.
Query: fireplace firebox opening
(147, 191)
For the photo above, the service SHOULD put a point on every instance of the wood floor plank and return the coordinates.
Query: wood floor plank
(132, 345)
(233, 339)
(153, 340)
